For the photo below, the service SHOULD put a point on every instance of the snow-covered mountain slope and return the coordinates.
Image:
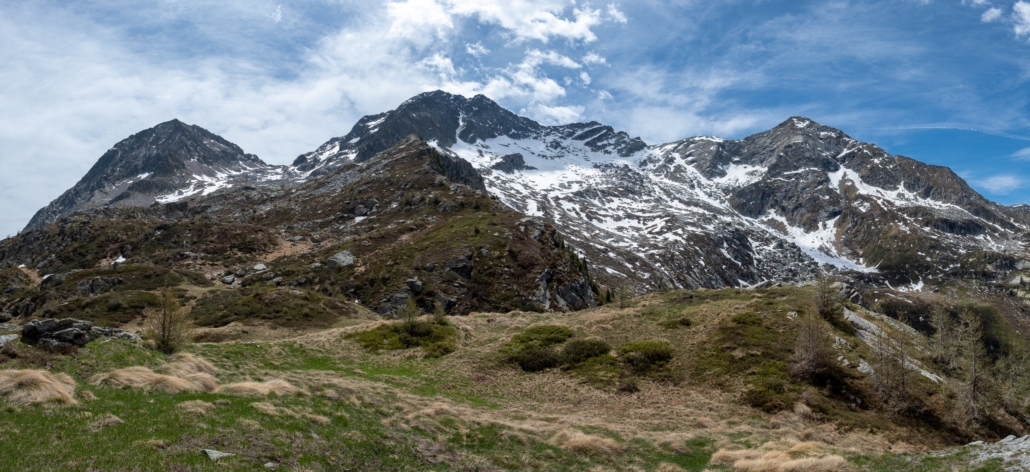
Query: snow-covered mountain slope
(707, 212)
(700, 212)
(166, 163)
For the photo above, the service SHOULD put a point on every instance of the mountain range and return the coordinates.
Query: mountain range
(777, 206)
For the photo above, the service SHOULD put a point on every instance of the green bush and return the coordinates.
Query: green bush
(534, 349)
(536, 358)
(674, 323)
(769, 396)
(643, 356)
(579, 350)
(542, 336)
(436, 338)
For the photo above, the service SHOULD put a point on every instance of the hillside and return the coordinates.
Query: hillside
(724, 394)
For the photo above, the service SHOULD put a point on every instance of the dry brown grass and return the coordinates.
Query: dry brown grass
(184, 364)
(27, 387)
(803, 411)
(195, 407)
(143, 378)
(582, 443)
(782, 456)
(667, 467)
(107, 420)
(278, 387)
(186, 373)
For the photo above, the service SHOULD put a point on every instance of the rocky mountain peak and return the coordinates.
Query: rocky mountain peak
(170, 160)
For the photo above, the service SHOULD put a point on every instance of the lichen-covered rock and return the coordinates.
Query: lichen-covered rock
(340, 260)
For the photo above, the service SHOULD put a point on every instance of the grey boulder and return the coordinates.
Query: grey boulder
(340, 260)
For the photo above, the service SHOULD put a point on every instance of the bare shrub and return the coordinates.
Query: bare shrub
(277, 387)
(813, 351)
(976, 389)
(27, 387)
(1013, 383)
(827, 296)
(169, 325)
(891, 376)
(945, 341)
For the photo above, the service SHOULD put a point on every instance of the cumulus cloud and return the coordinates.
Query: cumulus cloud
(1021, 18)
(1000, 184)
(615, 14)
(413, 19)
(991, 15)
(583, 76)
(593, 58)
(533, 19)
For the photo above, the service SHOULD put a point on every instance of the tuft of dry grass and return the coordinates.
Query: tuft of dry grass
(107, 420)
(196, 407)
(184, 364)
(803, 411)
(145, 379)
(186, 373)
(582, 443)
(27, 387)
(272, 410)
(667, 467)
(783, 456)
(278, 387)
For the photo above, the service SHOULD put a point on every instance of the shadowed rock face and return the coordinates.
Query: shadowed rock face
(156, 163)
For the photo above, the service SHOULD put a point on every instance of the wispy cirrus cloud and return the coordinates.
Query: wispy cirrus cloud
(1000, 184)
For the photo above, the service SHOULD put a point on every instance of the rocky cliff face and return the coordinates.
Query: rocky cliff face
(166, 163)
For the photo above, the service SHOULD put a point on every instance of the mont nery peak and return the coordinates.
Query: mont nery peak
(162, 164)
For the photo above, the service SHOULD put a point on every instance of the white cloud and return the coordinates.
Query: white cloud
(477, 50)
(418, 20)
(533, 19)
(535, 58)
(991, 15)
(615, 14)
(277, 16)
(556, 115)
(583, 76)
(1022, 154)
(1000, 184)
(1021, 18)
(593, 58)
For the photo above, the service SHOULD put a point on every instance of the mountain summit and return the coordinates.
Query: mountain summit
(165, 163)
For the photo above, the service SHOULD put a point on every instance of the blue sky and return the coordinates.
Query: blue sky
(943, 81)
